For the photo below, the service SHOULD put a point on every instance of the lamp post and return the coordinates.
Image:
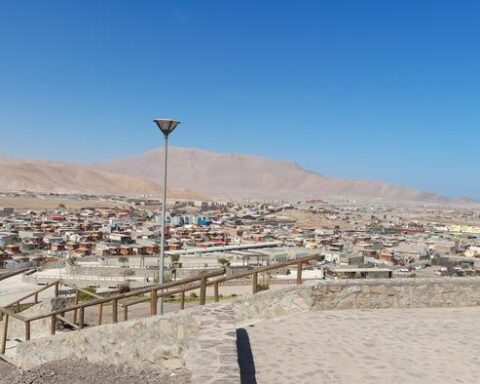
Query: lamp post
(166, 126)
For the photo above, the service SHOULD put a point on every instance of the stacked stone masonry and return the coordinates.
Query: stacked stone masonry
(203, 339)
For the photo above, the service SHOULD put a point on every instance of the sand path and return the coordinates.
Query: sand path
(438, 345)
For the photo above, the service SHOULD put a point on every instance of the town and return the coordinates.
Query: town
(118, 244)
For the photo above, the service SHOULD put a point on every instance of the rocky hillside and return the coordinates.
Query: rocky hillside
(234, 175)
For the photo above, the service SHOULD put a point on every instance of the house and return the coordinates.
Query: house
(13, 249)
(6, 237)
(16, 263)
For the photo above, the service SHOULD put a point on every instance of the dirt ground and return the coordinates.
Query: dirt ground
(310, 219)
(82, 372)
(26, 203)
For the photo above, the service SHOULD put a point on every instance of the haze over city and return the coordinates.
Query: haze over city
(368, 90)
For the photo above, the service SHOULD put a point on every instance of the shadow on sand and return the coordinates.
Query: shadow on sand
(245, 357)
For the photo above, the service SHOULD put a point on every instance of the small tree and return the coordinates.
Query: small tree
(224, 262)
(123, 260)
(175, 261)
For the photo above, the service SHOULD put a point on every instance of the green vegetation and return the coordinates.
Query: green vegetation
(83, 296)
(224, 262)
(29, 247)
(263, 286)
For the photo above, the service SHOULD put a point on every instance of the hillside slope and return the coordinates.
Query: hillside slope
(40, 176)
(234, 175)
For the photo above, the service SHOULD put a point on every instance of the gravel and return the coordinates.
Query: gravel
(82, 372)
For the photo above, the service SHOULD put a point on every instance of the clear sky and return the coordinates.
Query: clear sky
(381, 89)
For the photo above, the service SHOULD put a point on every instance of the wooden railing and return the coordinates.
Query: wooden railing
(7, 275)
(154, 292)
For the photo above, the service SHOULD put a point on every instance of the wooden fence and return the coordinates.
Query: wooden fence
(154, 292)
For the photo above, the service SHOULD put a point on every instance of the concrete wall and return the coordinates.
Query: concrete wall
(109, 271)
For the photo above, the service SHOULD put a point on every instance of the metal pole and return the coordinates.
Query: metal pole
(161, 267)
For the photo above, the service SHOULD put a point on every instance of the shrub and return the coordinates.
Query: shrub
(124, 288)
(262, 287)
(82, 296)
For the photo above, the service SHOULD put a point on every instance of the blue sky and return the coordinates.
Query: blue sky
(383, 90)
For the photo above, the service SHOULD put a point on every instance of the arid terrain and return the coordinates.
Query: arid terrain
(198, 174)
(22, 203)
(82, 372)
(42, 176)
(236, 175)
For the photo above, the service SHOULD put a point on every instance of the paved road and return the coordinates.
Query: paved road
(438, 345)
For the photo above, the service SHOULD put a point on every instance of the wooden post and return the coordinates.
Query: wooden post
(27, 330)
(299, 273)
(36, 298)
(125, 313)
(77, 298)
(153, 302)
(255, 283)
(115, 310)
(100, 314)
(4, 339)
(81, 321)
(215, 290)
(56, 288)
(203, 291)
(53, 325)
(182, 300)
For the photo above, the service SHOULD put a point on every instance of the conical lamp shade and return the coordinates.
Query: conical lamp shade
(166, 125)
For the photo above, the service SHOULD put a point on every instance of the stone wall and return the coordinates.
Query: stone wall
(202, 339)
(361, 294)
(397, 293)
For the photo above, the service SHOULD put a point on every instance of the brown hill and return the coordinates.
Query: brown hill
(234, 175)
(41, 176)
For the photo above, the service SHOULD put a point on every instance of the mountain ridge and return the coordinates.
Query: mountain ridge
(206, 173)
(248, 176)
(62, 177)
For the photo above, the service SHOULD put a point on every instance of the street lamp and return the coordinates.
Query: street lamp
(167, 126)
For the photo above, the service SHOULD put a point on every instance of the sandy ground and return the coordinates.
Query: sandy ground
(25, 203)
(437, 345)
(81, 372)
(14, 288)
(310, 219)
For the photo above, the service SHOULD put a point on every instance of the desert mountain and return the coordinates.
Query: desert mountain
(41, 176)
(234, 175)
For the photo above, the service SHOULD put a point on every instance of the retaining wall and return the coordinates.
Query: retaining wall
(202, 339)
(361, 294)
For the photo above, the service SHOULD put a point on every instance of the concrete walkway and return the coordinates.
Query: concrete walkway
(437, 345)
